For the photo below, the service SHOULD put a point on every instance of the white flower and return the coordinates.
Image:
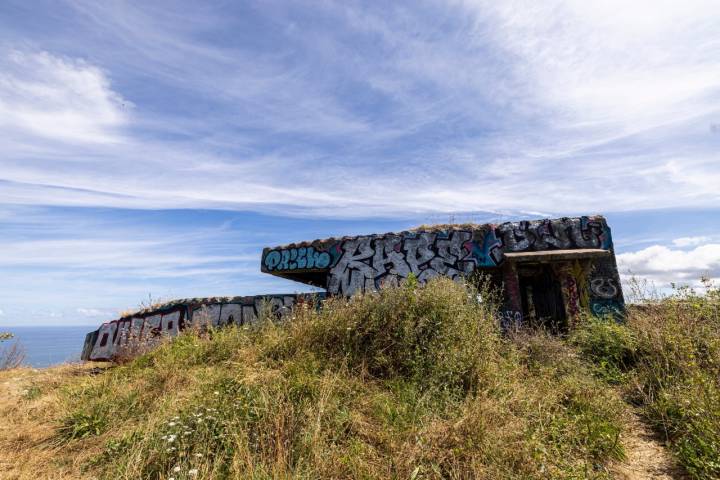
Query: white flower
(216, 392)
(192, 472)
(176, 469)
(172, 424)
(198, 455)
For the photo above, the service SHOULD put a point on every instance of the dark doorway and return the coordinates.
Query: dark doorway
(542, 300)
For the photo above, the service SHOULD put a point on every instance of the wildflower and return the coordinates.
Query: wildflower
(216, 392)
(172, 424)
(192, 472)
(176, 469)
(199, 455)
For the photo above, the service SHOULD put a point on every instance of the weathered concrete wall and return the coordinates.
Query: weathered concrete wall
(170, 318)
(348, 265)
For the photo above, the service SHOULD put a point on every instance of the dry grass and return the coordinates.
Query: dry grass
(31, 401)
(407, 383)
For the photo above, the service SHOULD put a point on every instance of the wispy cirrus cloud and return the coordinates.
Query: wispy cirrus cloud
(451, 107)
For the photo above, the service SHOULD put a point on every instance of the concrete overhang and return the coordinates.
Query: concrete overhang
(556, 255)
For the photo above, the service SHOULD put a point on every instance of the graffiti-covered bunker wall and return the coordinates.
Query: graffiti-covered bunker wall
(170, 318)
(549, 270)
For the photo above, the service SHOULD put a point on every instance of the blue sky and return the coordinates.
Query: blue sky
(152, 148)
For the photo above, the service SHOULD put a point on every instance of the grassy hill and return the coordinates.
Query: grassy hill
(410, 383)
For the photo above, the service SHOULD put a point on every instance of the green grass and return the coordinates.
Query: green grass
(411, 382)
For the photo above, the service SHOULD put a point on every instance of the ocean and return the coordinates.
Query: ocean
(46, 346)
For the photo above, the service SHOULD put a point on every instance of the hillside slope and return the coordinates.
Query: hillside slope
(412, 382)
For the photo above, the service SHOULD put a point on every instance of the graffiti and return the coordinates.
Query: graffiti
(604, 308)
(603, 287)
(489, 252)
(301, 258)
(510, 320)
(154, 325)
(367, 263)
(483, 246)
(563, 233)
(241, 313)
(571, 296)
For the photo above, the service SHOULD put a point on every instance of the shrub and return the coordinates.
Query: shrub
(438, 336)
(11, 356)
(610, 345)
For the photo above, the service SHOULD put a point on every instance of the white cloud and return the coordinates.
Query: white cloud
(691, 241)
(664, 265)
(57, 98)
(144, 255)
(94, 312)
(636, 64)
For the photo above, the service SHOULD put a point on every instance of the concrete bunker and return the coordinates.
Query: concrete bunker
(549, 272)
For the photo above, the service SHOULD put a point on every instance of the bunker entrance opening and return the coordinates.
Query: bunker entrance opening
(541, 297)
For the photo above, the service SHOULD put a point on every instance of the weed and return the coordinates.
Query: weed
(80, 425)
(32, 392)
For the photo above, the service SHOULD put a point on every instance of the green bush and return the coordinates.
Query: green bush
(610, 345)
(438, 337)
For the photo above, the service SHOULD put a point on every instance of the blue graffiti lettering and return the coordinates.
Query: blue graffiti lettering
(302, 258)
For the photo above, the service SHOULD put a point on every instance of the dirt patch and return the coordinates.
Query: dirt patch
(647, 457)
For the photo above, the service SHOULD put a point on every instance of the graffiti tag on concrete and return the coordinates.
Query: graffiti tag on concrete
(301, 258)
(104, 343)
